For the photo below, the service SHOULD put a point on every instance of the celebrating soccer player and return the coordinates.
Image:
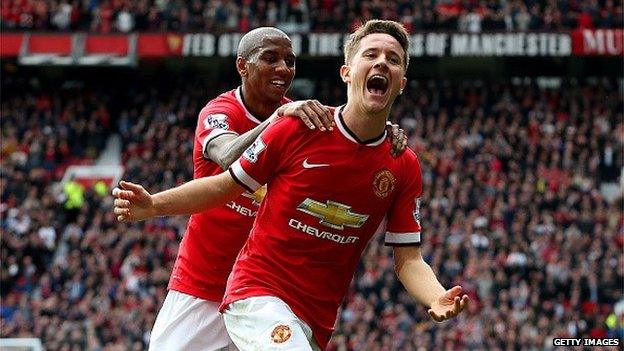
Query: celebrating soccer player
(328, 194)
(226, 126)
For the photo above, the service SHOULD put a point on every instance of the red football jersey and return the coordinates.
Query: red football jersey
(327, 195)
(213, 238)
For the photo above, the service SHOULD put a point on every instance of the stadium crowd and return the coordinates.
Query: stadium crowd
(512, 210)
(105, 16)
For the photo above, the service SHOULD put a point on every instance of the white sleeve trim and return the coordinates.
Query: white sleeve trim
(245, 178)
(402, 238)
(213, 134)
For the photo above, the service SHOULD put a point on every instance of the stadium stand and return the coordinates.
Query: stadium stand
(300, 15)
(512, 174)
(522, 174)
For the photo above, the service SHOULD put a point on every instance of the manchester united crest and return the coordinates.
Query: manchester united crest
(383, 184)
(281, 333)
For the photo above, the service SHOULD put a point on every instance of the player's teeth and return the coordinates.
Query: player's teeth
(379, 76)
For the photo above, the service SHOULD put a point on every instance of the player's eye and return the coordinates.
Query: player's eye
(290, 62)
(270, 59)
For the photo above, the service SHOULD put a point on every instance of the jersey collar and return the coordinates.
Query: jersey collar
(239, 97)
(342, 127)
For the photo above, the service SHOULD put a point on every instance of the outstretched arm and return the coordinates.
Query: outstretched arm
(134, 203)
(227, 148)
(422, 284)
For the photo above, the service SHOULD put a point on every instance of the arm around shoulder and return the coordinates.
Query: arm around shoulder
(227, 148)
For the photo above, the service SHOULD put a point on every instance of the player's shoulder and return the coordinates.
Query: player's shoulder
(294, 125)
(226, 104)
(286, 127)
(228, 97)
(409, 158)
(291, 123)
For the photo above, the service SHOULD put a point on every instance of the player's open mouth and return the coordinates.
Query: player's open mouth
(377, 84)
(279, 83)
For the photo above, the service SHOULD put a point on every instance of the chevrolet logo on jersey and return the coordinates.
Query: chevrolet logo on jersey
(258, 196)
(333, 214)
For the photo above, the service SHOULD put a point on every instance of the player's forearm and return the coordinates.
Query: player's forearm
(196, 196)
(235, 148)
(418, 278)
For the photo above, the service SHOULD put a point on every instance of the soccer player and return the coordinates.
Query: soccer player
(226, 126)
(326, 198)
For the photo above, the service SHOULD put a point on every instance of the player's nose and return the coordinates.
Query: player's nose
(382, 62)
(283, 65)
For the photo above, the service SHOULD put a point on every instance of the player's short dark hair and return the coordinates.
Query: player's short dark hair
(395, 29)
(253, 40)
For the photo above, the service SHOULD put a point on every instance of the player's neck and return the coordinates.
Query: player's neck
(256, 105)
(365, 125)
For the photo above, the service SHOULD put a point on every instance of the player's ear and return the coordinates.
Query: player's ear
(403, 83)
(241, 66)
(344, 73)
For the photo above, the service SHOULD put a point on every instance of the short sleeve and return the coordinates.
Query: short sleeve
(404, 215)
(264, 157)
(213, 123)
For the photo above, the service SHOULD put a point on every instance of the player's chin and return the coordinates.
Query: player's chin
(377, 105)
(277, 89)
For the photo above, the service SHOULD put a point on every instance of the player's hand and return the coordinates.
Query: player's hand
(398, 138)
(132, 202)
(311, 112)
(449, 305)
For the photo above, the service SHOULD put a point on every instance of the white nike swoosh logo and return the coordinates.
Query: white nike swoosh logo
(313, 165)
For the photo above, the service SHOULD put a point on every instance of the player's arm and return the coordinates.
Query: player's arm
(421, 283)
(134, 203)
(404, 234)
(227, 148)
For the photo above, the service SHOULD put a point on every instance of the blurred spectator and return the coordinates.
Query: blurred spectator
(470, 21)
(61, 17)
(522, 18)
(74, 199)
(125, 20)
(304, 15)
